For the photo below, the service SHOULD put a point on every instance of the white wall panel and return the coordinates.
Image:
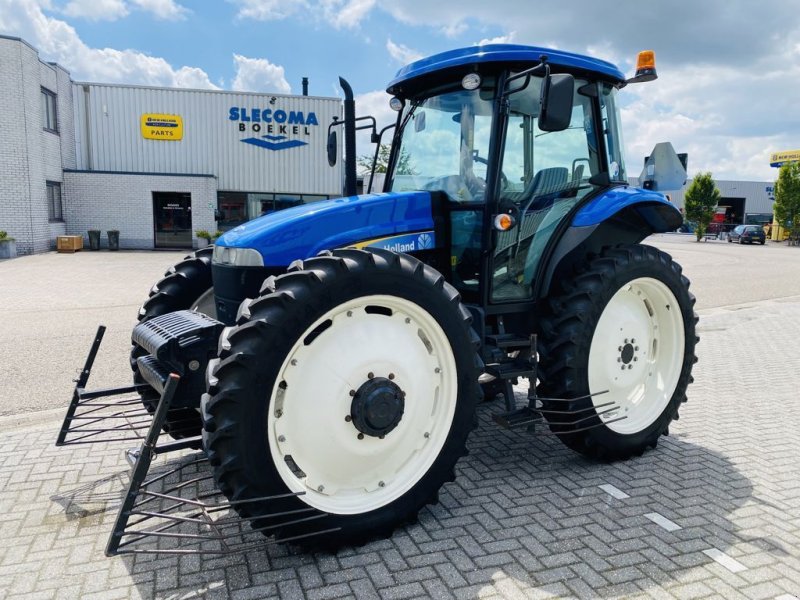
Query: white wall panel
(212, 144)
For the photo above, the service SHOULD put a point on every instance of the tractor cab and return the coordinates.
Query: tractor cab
(510, 140)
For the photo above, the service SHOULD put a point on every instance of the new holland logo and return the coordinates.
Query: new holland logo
(277, 124)
(425, 241)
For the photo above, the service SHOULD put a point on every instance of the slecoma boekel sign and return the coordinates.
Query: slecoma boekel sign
(279, 129)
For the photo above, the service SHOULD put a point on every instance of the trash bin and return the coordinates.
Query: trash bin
(113, 239)
(94, 239)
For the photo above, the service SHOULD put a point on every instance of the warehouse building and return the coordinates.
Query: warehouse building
(156, 164)
(740, 201)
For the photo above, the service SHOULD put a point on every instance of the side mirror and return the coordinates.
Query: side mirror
(419, 121)
(333, 147)
(557, 94)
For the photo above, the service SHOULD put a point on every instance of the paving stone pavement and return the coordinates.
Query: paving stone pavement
(525, 518)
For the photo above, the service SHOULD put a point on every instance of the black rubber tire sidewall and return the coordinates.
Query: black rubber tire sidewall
(567, 341)
(179, 289)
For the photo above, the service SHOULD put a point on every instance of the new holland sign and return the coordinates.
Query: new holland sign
(279, 129)
(162, 127)
(777, 159)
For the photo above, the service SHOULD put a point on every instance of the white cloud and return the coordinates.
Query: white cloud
(97, 10)
(259, 75)
(346, 13)
(163, 9)
(268, 10)
(402, 53)
(58, 41)
(339, 13)
(500, 39)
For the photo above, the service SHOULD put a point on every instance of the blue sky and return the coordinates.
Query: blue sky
(727, 92)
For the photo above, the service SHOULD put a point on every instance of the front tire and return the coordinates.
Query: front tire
(185, 286)
(624, 329)
(352, 382)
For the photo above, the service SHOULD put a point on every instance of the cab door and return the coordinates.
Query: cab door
(544, 175)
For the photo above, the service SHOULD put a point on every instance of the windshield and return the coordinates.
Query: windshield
(445, 144)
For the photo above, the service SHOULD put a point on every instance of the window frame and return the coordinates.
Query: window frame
(49, 98)
(53, 215)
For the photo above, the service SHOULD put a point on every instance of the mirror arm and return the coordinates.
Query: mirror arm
(527, 75)
(376, 139)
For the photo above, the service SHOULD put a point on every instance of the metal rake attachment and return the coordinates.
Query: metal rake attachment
(104, 415)
(564, 421)
(177, 509)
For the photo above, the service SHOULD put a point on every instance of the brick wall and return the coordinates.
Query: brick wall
(29, 155)
(96, 200)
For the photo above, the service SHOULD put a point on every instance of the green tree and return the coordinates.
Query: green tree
(787, 198)
(403, 168)
(700, 201)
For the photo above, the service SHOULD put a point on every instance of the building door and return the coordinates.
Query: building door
(172, 218)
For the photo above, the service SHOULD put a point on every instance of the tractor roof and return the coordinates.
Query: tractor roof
(501, 53)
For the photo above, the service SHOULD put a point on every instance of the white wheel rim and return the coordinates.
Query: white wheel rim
(345, 474)
(637, 354)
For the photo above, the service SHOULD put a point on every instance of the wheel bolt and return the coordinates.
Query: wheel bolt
(349, 313)
(633, 341)
(321, 488)
(391, 375)
(370, 375)
(361, 436)
(626, 340)
(630, 366)
(437, 370)
(281, 438)
(352, 392)
(381, 484)
(408, 320)
(622, 367)
(294, 362)
(348, 418)
(636, 348)
(278, 414)
(620, 348)
(635, 359)
(619, 359)
(427, 435)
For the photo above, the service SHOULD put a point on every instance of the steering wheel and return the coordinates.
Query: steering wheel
(503, 178)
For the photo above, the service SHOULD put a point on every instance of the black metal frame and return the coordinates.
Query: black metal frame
(181, 502)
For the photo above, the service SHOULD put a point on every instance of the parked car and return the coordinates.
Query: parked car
(747, 234)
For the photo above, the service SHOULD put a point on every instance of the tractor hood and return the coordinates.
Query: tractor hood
(304, 231)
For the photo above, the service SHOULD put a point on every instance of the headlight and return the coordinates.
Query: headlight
(237, 257)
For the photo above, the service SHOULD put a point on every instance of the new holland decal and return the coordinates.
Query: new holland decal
(282, 129)
(406, 242)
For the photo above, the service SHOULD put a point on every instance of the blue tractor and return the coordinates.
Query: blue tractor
(352, 339)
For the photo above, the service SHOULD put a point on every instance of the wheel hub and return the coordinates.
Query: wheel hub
(627, 353)
(377, 406)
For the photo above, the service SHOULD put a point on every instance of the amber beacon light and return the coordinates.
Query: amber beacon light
(645, 67)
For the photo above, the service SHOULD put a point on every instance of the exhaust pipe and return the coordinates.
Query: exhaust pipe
(349, 139)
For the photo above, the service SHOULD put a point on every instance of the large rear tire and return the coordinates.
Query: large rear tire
(351, 380)
(186, 286)
(625, 326)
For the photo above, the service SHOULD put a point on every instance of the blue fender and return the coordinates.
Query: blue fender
(658, 212)
(396, 221)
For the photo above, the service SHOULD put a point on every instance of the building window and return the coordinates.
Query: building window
(49, 111)
(54, 201)
(234, 208)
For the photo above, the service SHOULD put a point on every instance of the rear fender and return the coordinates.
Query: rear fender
(618, 217)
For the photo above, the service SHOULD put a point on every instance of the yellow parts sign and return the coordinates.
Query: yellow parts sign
(777, 159)
(162, 127)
